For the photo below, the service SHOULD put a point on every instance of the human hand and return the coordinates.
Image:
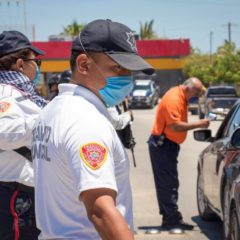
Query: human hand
(204, 123)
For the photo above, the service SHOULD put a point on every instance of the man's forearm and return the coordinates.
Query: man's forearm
(112, 226)
(183, 126)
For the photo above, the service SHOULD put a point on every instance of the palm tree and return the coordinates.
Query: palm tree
(146, 30)
(73, 29)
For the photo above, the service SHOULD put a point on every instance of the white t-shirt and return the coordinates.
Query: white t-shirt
(17, 117)
(75, 148)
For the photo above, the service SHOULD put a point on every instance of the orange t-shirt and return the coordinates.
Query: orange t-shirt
(173, 108)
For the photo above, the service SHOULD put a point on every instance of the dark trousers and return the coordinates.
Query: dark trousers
(17, 217)
(164, 165)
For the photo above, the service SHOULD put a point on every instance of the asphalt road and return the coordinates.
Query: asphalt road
(144, 198)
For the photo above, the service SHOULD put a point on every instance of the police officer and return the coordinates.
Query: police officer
(81, 167)
(169, 131)
(19, 108)
(53, 82)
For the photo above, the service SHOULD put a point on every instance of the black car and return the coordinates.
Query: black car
(218, 171)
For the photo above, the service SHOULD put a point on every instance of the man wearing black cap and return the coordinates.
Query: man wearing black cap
(19, 108)
(82, 182)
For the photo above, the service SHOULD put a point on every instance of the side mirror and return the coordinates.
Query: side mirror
(203, 135)
(235, 138)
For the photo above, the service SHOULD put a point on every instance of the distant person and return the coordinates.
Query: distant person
(57, 79)
(82, 176)
(120, 117)
(20, 105)
(169, 131)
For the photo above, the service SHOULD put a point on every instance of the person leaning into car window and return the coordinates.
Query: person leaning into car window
(169, 131)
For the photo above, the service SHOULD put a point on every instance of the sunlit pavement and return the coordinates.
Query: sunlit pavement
(144, 199)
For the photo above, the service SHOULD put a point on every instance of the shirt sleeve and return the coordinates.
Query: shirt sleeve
(15, 125)
(89, 153)
(119, 121)
(173, 112)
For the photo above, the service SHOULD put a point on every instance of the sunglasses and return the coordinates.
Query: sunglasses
(36, 60)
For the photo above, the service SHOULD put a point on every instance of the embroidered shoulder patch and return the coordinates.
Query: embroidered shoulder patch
(4, 106)
(93, 154)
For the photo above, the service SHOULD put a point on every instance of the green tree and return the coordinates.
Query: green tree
(226, 64)
(198, 65)
(73, 29)
(146, 30)
(222, 67)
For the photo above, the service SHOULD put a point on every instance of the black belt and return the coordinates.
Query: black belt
(14, 186)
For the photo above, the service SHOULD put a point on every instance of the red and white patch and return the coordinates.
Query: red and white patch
(93, 154)
(4, 106)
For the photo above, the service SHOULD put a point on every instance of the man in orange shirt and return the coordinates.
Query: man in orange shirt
(169, 131)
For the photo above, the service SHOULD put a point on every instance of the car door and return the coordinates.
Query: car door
(213, 159)
(223, 153)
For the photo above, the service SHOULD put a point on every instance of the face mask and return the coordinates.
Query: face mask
(37, 77)
(116, 89)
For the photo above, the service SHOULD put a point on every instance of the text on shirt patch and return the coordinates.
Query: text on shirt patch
(4, 106)
(93, 154)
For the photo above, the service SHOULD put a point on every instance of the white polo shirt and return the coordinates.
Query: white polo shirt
(75, 148)
(17, 117)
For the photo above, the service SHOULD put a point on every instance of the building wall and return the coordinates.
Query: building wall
(166, 56)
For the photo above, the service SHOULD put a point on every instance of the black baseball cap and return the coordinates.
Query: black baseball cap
(12, 41)
(115, 40)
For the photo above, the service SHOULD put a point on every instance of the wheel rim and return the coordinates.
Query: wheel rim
(200, 194)
(226, 211)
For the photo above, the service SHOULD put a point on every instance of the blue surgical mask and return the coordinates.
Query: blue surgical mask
(116, 89)
(37, 77)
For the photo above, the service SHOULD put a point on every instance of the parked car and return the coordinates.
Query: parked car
(218, 173)
(218, 100)
(144, 94)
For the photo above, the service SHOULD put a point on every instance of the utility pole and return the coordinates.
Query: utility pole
(229, 26)
(229, 32)
(211, 37)
(25, 16)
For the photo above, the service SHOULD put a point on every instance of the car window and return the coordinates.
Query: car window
(227, 123)
(235, 123)
(221, 91)
(141, 87)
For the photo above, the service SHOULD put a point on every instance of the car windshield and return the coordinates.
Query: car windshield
(141, 87)
(222, 103)
(221, 91)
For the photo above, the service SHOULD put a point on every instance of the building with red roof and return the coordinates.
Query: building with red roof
(166, 56)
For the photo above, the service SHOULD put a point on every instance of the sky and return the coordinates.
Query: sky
(173, 19)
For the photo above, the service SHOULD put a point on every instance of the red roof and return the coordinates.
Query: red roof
(146, 48)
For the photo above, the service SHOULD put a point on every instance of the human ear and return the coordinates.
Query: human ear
(19, 65)
(82, 64)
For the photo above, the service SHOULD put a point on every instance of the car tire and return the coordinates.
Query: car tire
(226, 211)
(204, 210)
(234, 230)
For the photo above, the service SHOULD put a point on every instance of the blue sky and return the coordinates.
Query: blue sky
(173, 19)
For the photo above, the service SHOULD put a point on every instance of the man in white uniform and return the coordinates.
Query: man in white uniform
(81, 168)
(19, 108)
